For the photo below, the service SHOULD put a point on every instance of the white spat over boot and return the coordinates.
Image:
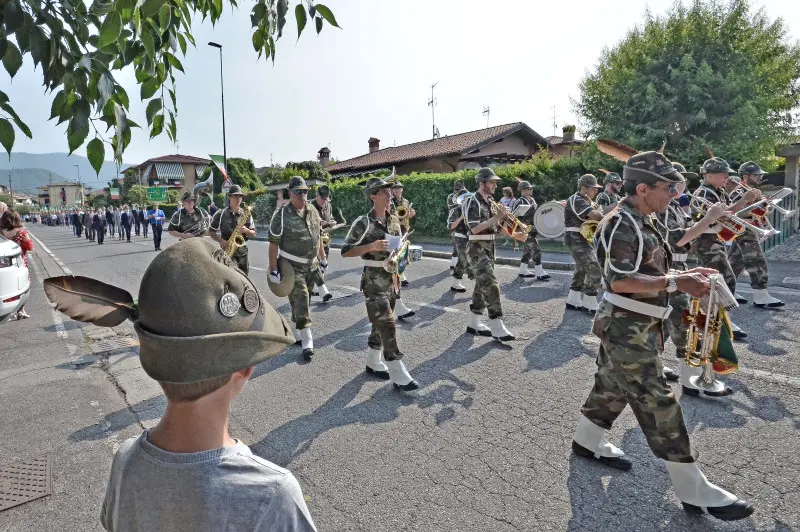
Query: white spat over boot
(325, 293)
(540, 273)
(375, 364)
(499, 331)
(400, 376)
(698, 494)
(401, 310)
(524, 271)
(456, 286)
(307, 342)
(575, 300)
(738, 334)
(590, 303)
(476, 325)
(718, 389)
(590, 442)
(453, 262)
(761, 298)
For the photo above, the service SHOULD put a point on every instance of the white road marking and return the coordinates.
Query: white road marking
(52, 256)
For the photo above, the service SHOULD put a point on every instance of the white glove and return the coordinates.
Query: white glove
(323, 265)
(275, 276)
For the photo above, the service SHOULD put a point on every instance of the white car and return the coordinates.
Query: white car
(15, 284)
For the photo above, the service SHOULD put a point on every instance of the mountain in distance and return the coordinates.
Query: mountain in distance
(31, 170)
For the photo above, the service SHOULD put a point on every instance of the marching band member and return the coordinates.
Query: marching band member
(398, 201)
(367, 238)
(532, 250)
(225, 221)
(185, 221)
(483, 216)
(708, 248)
(677, 229)
(460, 231)
(745, 252)
(294, 235)
(636, 270)
(322, 202)
(609, 197)
(581, 208)
(458, 189)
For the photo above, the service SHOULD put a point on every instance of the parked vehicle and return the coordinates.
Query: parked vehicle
(15, 285)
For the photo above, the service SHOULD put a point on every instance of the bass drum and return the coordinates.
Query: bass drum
(548, 220)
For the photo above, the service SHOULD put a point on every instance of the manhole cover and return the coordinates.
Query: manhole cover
(24, 481)
(111, 344)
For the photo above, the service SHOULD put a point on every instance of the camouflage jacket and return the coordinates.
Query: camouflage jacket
(296, 233)
(576, 210)
(614, 324)
(526, 218)
(673, 224)
(604, 199)
(183, 222)
(476, 211)
(325, 214)
(452, 216)
(365, 230)
(451, 200)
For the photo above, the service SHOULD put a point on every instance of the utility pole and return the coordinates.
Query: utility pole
(10, 188)
(432, 104)
(555, 124)
(486, 111)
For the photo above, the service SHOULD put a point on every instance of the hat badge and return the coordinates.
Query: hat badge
(229, 304)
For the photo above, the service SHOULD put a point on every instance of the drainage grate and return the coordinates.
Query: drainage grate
(112, 344)
(24, 481)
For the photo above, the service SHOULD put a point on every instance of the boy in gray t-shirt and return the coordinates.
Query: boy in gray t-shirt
(187, 473)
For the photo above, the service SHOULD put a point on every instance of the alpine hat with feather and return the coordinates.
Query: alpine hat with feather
(197, 316)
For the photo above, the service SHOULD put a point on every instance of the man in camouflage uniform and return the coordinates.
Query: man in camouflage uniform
(225, 221)
(532, 250)
(678, 231)
(452, 201)
(405, 222)
(460, 231)
(483, 225)
(294, 236)
(636, 269)
(367, 239)
(322, 202)
(609, 197)
(708, 248)
(586, 280)
(188, 221)
(745, 252)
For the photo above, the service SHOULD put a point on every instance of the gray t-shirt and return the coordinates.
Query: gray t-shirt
(222, 489)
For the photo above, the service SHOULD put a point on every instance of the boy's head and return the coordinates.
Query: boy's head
(227, 386)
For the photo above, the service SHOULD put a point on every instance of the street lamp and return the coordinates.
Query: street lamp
(222, 93)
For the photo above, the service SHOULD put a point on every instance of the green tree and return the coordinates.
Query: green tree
(715, 73)
(136, 194)
(241, 171)
(79, 45)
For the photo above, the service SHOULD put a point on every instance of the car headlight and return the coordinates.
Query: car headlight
(5, 262)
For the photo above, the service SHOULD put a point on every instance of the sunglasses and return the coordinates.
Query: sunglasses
(299, 192)
(673, 188)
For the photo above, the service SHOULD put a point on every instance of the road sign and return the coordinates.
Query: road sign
(157, 194)
(227, 184)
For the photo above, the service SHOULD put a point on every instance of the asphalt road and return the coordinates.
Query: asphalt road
(483, 445)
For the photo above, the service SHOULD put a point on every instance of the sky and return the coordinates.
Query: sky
(372, 78)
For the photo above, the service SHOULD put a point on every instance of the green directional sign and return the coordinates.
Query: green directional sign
(157, 194)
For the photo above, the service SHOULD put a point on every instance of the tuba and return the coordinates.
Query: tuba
(205, 187)
(709, 336)
(236, 240)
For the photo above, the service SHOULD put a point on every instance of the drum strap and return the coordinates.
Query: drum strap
(639, 307)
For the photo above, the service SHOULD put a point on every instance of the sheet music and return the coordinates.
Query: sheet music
(521, 210)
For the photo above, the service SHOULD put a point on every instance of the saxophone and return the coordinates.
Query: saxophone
(236, 240)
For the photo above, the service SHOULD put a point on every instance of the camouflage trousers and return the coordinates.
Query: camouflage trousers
(299, 299)
(588, 275)
(636, 378)
(745, 254)
(461, 246)
(486, 293)
(532, 250)
(319, 280)
(711, 253)
(380, 296)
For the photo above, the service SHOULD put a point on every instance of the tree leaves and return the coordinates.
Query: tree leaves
(149, 88)
(326, 14)
(6, 135)
(318, 22)
(300, 15)
(80, 115)
(76, 138)
(110, 30)
(152, 108)
(96, 152)
(12, 59)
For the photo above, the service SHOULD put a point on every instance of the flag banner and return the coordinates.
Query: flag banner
(219, 162)
(726, 361)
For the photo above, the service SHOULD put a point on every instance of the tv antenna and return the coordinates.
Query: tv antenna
(432, 104)
(486, 111)
(555, 124)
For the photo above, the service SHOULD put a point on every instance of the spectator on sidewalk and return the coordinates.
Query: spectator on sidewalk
(125, 222)
(187, 473)
(11, 228)
(156, 218)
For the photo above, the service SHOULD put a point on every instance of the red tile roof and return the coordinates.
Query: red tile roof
(444, 146)
(181, 159)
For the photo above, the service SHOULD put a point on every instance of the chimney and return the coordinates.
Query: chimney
(324, 155)
(374, 144)
(569, 133)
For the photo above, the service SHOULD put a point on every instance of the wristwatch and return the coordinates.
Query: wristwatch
(672, 284)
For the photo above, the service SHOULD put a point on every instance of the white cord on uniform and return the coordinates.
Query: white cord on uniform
(607, 245)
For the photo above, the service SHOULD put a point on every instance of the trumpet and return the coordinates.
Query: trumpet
(510, 223)
(763, 207)
(731, 226)
(402, 211)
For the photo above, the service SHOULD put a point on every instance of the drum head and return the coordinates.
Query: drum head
(548, 220)
(415, 253)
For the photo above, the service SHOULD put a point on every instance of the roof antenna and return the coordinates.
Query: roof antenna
(486, 111)
(432, 104)
(555, 124)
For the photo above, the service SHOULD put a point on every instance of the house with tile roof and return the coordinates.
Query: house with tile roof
(494, 145)
(564, 146)
(171, 171)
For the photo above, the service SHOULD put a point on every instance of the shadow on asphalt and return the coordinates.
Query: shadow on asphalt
(557, 347)
(114, 422)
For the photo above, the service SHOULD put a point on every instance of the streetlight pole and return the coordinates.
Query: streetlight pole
(222, 92)
(80, 185)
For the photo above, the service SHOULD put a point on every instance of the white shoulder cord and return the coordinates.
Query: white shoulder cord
(572, 206)
(607, 245)
(270, 223)
(366, 230)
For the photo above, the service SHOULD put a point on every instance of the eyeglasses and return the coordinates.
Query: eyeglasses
(674, 189)
(299, 192)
